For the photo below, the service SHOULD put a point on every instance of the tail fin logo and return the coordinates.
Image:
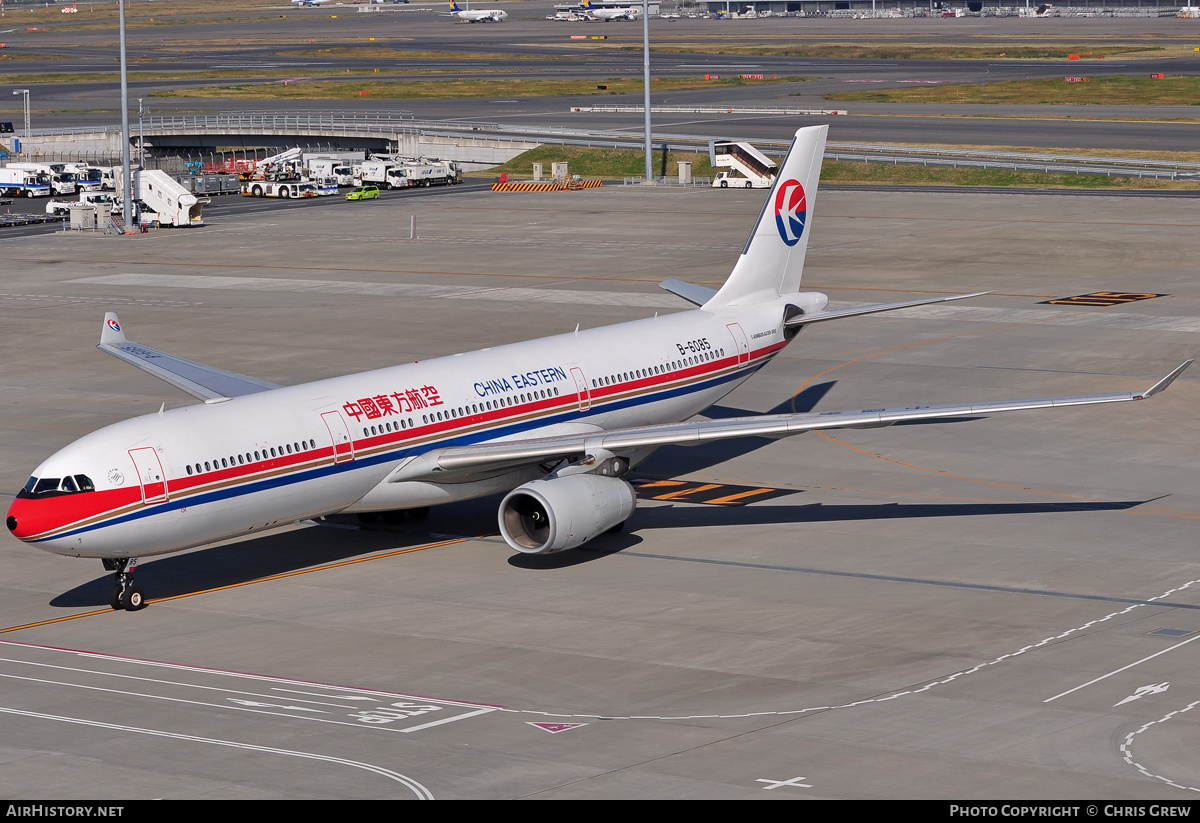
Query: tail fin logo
(790, 211)
(114, 325)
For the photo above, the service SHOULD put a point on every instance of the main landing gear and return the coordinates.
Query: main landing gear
(124, 594)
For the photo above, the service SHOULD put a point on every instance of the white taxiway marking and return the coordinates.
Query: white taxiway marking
(895, 695)
(269, 284)
(1123, 668)
(1127, 748)
(390, 712)
(420, 791)
(1144, 691)
(775, 784)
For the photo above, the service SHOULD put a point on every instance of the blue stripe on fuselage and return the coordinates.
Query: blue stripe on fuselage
(466, 439)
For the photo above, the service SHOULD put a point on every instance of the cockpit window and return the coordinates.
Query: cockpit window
(55, 486)
(47, 484)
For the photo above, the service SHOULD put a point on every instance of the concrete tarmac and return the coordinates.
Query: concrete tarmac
(975, 609)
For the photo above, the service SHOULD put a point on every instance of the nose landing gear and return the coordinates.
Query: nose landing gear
(124, 594)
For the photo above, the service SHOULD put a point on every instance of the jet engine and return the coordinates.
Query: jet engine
(547, 516)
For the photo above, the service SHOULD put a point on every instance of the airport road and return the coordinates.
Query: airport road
(530, 46)
(983, 608)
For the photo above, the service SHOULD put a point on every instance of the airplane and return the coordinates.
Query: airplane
(555, 423)
(478, 15)
(607, 14)
(312, 2)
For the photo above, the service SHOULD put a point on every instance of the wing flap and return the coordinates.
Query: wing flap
(457, 461)
(204, 382)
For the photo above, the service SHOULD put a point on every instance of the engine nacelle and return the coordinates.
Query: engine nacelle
(547, 516)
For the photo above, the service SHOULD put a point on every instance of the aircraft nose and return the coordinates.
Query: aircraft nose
(16, 517)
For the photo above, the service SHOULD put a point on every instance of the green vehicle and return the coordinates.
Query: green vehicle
(363, 193)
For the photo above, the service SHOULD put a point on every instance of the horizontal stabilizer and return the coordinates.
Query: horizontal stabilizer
(699, 295)
(855, 311)
(198, 380)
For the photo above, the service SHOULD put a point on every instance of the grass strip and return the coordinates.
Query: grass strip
(1116, 90)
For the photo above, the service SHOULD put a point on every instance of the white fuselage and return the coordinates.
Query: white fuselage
(207, 472)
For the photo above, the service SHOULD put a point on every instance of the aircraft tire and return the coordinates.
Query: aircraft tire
(393, 517)
(368, 517)
(134, 599)
(114, 599)
(419, 513)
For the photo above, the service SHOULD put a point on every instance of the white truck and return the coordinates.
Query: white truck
(87, 178)
(428, 173)
(322, 168)
(749, 167)
(61, 182)
(263, 188)
(23, 182)
(161, 194)
(100, 199)
(374, 172)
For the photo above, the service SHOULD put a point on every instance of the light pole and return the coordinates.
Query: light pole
(126, 182)
(141, 139)
(26, 93)
(646, 83)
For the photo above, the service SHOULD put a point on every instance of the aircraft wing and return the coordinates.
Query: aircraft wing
(198, 380)
(459, 461)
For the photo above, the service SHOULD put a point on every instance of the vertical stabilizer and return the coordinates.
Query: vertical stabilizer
(773, 260)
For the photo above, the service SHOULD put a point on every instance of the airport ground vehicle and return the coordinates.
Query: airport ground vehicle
(325, 167)
(61, 181)
(100, 199)
(15, 181)
(430, 173)
(374, 172)
(87, 178)
(363, 193)
(162, 195)
(555, 423)
(263, 188)
(748, 167)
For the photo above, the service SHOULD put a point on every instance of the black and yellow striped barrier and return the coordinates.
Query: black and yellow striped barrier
(570, 185)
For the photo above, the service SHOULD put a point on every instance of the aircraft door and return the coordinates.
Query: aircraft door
(339, 434)
(581, 386)
(740, 344)
(150, 475)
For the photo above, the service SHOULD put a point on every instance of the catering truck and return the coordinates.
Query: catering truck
(61, 182)
(424, 173)
(19, 182)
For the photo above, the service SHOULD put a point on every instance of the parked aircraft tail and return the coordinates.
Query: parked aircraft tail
(773, 259)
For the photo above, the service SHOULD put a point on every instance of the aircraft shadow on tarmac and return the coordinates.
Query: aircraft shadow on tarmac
(698, 516)
(243, 561)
